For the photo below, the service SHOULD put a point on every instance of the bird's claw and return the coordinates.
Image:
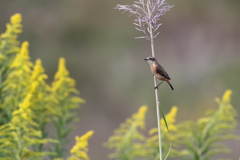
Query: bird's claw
(158, 85)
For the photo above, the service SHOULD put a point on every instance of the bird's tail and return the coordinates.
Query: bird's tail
(170, 85)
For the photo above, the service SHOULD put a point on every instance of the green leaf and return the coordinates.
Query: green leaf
(165, 121)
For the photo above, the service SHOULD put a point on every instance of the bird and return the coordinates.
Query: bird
(158, 71)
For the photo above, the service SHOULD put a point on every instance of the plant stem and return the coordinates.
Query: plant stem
(158, 115)
(155, 83)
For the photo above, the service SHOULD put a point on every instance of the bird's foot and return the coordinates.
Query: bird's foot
(158, 85)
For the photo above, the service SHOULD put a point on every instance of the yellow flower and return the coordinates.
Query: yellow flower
(8, 42)
(62, 77)
(34, 86)
(14, 27)
(80, 148)
(141, 116)
(38, 71)
(26, 102)
(22, 58)
(227, 96)
(62, 71)
(86, 136)
(24, 50)
(23, 111)
(16, 18)
(171, 119)
(128, 136)
(152, 141)
(25, 116)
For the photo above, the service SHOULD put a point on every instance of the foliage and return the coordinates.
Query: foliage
(127, 141)
(130, 144)
(152, 141)
(64, 102)
(201, 139)
(29, 104)
(9, 46)
(79, 151)
(19, 135)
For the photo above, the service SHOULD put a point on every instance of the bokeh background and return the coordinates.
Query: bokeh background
(198, 44)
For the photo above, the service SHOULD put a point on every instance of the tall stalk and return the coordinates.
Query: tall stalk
(148, 13)
(155, 83)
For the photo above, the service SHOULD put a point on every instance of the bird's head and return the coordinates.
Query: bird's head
(150, 60)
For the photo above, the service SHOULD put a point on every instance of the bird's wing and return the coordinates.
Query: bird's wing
(162, 72)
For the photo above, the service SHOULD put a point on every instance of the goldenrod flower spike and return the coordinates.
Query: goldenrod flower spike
(152, 141)
(15, 25)
(62, 71)
(201, 139)
(38, 72)
(128, 138)
(8, 40)
(16, 18)
(141, 116)
(16, 22)
(79, 150)
(62, 76)
(22, 58)
(171, 119)
(64, 100)
(227, 96)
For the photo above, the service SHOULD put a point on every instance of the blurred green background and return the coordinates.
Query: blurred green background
(198, 45)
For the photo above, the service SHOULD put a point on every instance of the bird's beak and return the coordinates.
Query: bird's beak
(145, 59)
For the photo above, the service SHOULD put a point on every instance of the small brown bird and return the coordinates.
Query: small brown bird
(158, 71)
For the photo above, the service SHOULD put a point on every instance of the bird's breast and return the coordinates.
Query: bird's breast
(154, 69)
(156, 74)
